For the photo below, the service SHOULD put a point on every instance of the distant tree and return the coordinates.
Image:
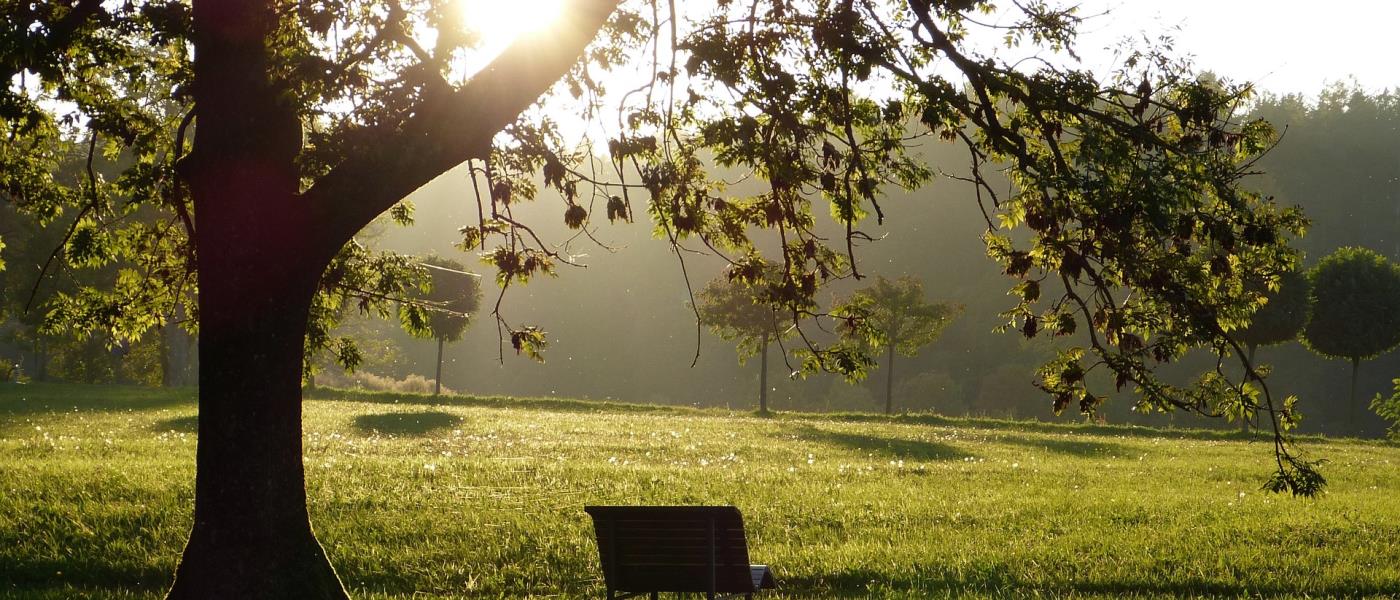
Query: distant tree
(1282, 318)
(1355, 309)
(454, 297)
(900, 321)
(1279, 320)
(730, 310)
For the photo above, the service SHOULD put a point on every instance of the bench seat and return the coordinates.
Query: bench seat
(646, 550)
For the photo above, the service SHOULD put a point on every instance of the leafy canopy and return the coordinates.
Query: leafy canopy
(1125, 220)
(454, 298)
(732, 312)
(1283, 314)
(1355, 305)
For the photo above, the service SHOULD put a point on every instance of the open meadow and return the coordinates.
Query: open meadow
(482, 498)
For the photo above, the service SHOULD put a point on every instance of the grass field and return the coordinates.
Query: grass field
(482, 498)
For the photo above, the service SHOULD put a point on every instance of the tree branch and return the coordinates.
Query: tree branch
(452, 126)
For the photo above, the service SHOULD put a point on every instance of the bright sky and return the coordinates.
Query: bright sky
(1282, 45)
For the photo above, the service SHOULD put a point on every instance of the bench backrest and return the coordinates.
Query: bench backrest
(672, 548)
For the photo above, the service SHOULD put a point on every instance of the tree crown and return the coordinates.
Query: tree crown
(898, 314)
(1355, 305)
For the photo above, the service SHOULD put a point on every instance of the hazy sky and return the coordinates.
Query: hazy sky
(1282, 45)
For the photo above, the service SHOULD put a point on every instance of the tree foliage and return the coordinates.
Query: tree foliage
(1355, 305)
(1346, 188)
(1389, 409)
(897, 315)
(1283, 315)
(452, 301)
(731, 312)
(894, 317)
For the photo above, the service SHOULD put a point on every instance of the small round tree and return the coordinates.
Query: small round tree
(1279, 320)
(902, 321)
(455, 296)
(730, 311)
(1355, 309)
(1282, 318)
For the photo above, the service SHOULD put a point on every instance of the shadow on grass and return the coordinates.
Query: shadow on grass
(188, 424)
(1066, 445)
(547, 404)
(83, 577)
(416, 423)
(571, 405)
(36, 398)
(1030, 426)
(890, 447)
(999, 581)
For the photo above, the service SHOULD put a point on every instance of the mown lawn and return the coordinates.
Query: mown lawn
(482, 498)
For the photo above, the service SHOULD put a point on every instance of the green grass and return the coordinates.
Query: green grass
(482, 497)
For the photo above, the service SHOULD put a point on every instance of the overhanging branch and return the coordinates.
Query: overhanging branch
(452, 126)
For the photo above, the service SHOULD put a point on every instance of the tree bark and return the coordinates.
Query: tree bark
(889, 381)
(252, 537)
(260, 256)
(437, 379)
(763, 379)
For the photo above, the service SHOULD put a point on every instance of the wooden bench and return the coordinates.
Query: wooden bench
(653, 549)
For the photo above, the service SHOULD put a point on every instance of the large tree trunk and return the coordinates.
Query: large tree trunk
(261, 246)
(889, 380)
(252, 537)
(763, 379)
(260, 254)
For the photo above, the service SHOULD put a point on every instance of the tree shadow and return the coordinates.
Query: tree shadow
(189, 424)
(415, 423)
(889, 447)
(997, 580)
(1037, 426)
(75, 577)
(544, 404)
(1065, 445)
(38, 398)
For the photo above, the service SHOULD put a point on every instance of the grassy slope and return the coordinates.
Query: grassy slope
(482, 498)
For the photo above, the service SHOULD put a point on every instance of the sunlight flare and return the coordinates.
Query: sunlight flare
(499, 23)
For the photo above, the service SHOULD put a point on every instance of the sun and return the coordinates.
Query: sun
(499, 22)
